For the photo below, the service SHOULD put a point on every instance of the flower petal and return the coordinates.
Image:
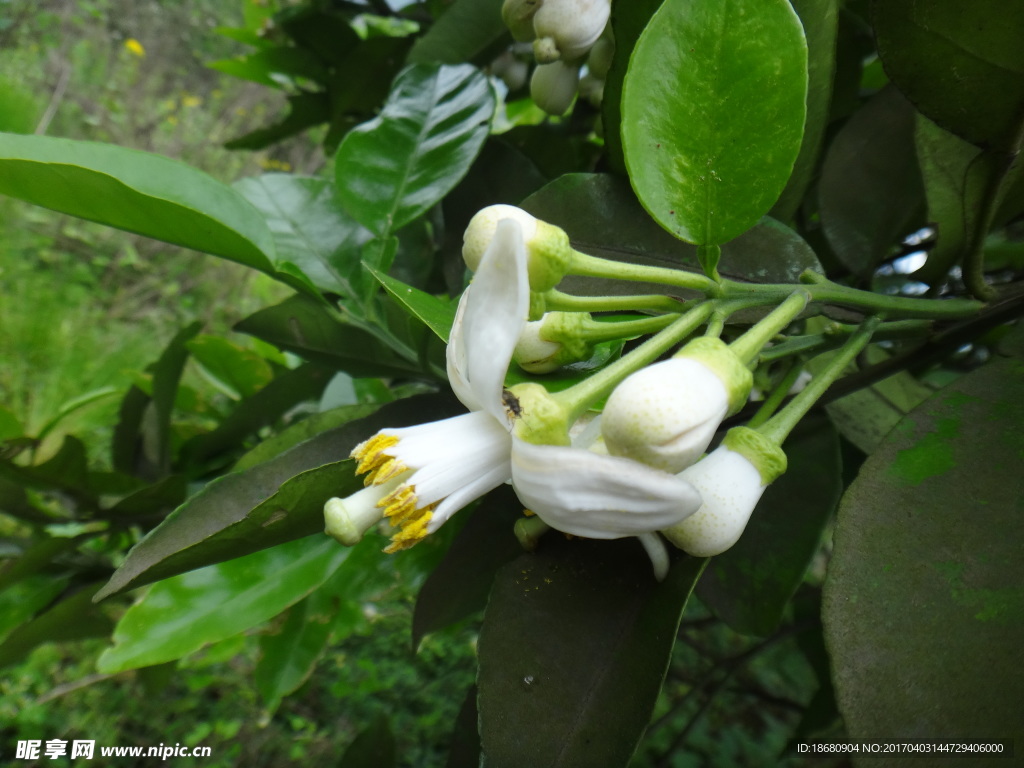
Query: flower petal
(490, 316)
(599, 497)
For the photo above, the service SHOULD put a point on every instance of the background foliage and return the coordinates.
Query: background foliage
(174, 422)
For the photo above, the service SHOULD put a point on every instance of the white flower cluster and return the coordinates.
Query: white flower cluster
(566, 35)
(645, 473)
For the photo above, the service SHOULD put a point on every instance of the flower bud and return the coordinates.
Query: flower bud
(566, 29)
(592, 90)
(548, 252)
(553, 86)
(730, 480)
(518, 17)
(666, 414)
(552, 342)
(600, 59)
(512, 70)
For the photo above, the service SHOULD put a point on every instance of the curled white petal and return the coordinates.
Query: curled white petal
(665, 414)
(731, 486)
(490, 316)
(599, 497)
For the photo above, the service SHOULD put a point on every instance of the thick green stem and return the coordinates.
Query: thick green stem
(748, 346)
(596, 331)
(837, 334)
(578, 398)
(555, 300)
(592, 266)
(781, 424)
(832, 293)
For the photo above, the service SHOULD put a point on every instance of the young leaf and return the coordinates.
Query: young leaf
(182, 614)
(436, 314)
(574, 647)
(713, 110)
(138, 192)
(924, 587)
(393, 168)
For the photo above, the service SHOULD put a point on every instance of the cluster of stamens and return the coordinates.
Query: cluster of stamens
(401, 506)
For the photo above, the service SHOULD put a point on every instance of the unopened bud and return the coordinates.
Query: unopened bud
(571, 26)
(548, 252)
(553, 341)
(553, 86)
(731, 481)
(518, 17)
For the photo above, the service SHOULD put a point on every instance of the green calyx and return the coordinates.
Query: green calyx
(538, 305)
(566, 328)
(715, 355)
(549, 256)
(767, 457)
(539, 418)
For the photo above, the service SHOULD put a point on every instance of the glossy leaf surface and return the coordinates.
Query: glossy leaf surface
(310, 229)
(393, 168)
(713, 109)
(466, 29)
(138, 192)
(575, 643)
(184, 613)
(925, 586)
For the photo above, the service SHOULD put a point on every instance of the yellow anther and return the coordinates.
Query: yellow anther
(369, 453)
(412, 532)
(379, 466)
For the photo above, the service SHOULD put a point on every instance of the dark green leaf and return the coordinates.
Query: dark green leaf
(286, 391)
(466, 29)
(307, 328)
(327, 35)
(574, 647)
(465, 742)
(166, 378)
(713, 110)
(820, 21)
(871, 193)
(277, 67)
(374, 747)
(459, 586)
(925, 584)
(750, 585)
(603, 218)
(128, 446)
(67, 470)
(304, 111)
(961, 64)
(393, 168)
(310, 229)
(265, 505)
(138, 192)
(628, 20)
(152, 501)
(73, 618)
(182, 614)
(21, 601)
(34, 559)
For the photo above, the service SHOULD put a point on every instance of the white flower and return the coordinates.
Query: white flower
(666, 414)
(730, 480)
(418, 477)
